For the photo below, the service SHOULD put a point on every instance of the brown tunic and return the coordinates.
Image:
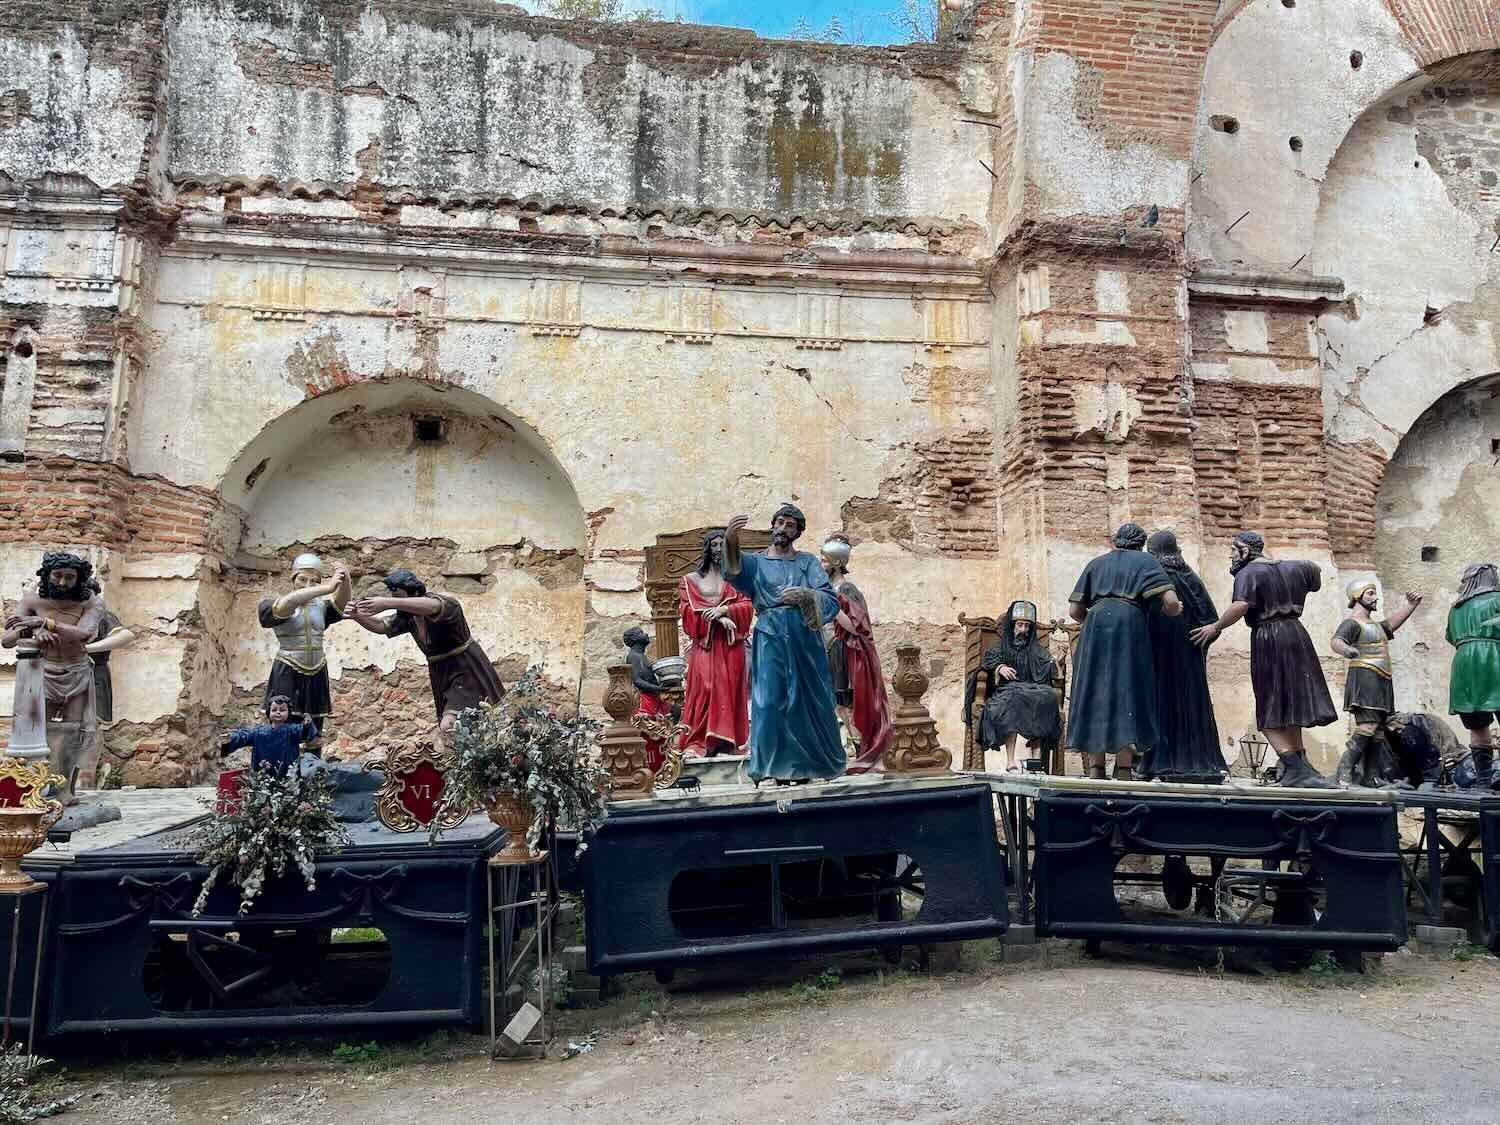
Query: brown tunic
(461, 675)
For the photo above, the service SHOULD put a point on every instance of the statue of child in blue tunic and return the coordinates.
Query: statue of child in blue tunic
(794, 734)
(275, 744)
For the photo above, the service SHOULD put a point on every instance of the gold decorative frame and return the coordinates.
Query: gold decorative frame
(32, 779)
(392, 803)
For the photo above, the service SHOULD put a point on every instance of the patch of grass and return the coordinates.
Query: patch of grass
(24, 1094)
(372, 1055)
(817, 987)
(358, 934)
(1468, 951)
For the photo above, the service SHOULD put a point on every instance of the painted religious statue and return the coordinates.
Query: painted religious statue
(1290, 691)
(653, 716)
(715, 619)
(57, 622)
(1474, 682)
(460, 673)
(859, 693)
(1114, 707)
(1369, 692)
(1187, 747)
(111, 638)
(1022, 703)
(299, 618)
(274, 744)
(794, 734)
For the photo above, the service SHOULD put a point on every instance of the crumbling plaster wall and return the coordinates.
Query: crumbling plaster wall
(479, 101)
(1438, 495)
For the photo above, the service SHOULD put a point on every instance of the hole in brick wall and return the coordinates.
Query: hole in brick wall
(1495, 445)
(1356, 59)
(1288, 3)
(1224, 124)
(24, 350)
(428, 429)
(1295, 143)
(1429, 554)
(1431, 315)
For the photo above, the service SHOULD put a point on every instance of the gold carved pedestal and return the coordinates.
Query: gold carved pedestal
(914, 749)
(26, 814)
(621, 745)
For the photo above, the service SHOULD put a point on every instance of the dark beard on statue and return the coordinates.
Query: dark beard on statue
(79, 593)
(1239, 564)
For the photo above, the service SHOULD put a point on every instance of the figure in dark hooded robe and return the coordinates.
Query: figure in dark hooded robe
(1022, 701)
(1113, 709)
(1187, 747)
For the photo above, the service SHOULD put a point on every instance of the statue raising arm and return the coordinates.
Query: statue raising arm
(337, 590)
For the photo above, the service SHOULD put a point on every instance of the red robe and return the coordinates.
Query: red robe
(652, 706)
(716, 707)
(871, 709)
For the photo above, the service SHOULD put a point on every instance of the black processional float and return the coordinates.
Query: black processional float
(393, 935)
(1238, 865)
(865, 863)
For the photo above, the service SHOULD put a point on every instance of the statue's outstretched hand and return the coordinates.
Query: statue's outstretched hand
(736, 525)
(1204, 635)
(1414, 599)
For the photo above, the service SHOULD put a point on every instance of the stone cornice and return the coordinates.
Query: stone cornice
(1243, 286)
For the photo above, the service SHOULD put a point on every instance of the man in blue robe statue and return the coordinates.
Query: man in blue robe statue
(794, 734)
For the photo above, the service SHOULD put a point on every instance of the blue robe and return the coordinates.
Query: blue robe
(794, 733)
(272, 747)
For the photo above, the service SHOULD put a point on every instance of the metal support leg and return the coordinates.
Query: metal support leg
(1431, 831)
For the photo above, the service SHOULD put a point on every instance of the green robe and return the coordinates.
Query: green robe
(1475, 682)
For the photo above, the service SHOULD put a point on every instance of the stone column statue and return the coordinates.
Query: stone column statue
(60, 619)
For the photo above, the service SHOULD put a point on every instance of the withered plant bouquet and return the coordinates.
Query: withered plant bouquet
(524, 748)
(284, 820)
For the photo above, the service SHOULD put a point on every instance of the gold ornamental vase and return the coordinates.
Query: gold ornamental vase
(22, 831)
(514, 814)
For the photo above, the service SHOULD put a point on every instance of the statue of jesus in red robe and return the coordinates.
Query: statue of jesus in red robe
(715, 620)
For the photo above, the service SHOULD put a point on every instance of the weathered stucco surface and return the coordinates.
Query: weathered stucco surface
(503, 299)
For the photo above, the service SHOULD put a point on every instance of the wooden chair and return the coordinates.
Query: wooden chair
(980, 633)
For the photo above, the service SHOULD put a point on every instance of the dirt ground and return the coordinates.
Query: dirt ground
(1140, 1036)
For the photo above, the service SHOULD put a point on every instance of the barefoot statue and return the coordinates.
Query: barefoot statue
(794, 734)
(53, 626)
(715, 619)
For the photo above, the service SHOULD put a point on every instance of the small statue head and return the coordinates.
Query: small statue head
(713, 550)
(65, 578)
(278, 709)
(636, 638)
(404, 584)
(1246, 548)
(307, 570)
(836, 552)
(1163, 547)
(1130, 537)
(1362, 591)
(787, 525)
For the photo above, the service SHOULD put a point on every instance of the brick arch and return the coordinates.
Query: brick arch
(1356, 475)
(1434, 29)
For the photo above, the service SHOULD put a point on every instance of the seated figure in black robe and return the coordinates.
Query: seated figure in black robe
(1022, 700)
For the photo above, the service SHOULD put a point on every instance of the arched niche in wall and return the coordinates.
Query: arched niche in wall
(17, 387)
(1434, 516)
(440, 480)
